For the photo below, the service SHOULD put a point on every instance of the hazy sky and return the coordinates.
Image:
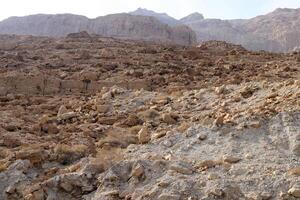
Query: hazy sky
(225, 9)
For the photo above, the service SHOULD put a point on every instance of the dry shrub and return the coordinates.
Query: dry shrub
(3, 165)
(67, 154)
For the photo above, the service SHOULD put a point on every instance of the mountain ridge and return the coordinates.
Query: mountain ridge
(277, 31)
(121, 25)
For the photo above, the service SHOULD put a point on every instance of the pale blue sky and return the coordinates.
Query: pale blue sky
(224, 9)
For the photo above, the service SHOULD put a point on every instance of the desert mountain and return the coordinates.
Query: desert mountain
(163, 17)
(194, 17)
(277, 31)
(116, 25)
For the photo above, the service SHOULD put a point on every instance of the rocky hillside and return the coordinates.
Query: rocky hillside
(96, 118)
(118, 25)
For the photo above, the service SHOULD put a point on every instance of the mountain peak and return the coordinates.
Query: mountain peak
(144, 11)
(163, 17)
(192, 18)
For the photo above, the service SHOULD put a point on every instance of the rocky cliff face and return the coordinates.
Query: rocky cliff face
(117, 25)
(282, 27)
(277, 31)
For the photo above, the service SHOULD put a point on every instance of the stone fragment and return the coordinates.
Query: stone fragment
(144, 135)
(296, 148)
(62, 110)
(67, 116)
(295, 191)
(247, 92)
(166, 196)
(67, 186)
(255, 124)
(169, 118)
(266, 195)
(213, 176)
(206, 164)
(230, 159)
(102, 108)
(182, 168)
(221, 90)
(11, 142)
(11, 127)
(138, 171)
(132, 120)
(294, 171)
(202, 136)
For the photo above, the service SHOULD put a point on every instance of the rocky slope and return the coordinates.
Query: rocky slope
(89, 117)
(117, 25)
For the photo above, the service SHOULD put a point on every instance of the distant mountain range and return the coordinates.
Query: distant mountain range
(278, 31)
(122, 25)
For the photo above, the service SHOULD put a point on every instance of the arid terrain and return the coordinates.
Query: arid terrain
(96, 118)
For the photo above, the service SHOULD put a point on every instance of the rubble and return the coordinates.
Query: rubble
(167, 133)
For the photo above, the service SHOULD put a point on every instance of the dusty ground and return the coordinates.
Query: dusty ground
(94, 118)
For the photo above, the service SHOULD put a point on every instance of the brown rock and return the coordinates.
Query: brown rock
(102, 108)
(144, 135)
(294, 171)
(230, 159)
(138, 171)
(295, 191)
(62, 110)
(132, 120)
(169, 118)
(11, 142)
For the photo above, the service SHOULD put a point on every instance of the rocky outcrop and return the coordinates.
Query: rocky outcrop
(117, 25)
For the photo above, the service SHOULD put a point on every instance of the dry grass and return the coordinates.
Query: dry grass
(67, 154)
(79, 149)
